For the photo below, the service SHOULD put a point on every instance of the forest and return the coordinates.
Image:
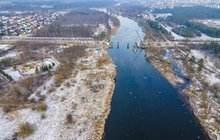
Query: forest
(212, 48)
(154, 30)
(53, 5)
(78, 23)
(210, 31)
(182, 14)
(186, 32)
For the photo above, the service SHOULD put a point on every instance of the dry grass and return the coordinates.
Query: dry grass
(41, 106)
(103, 61)
(25, 130)
(69, 119)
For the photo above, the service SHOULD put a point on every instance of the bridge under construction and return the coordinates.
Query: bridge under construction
(80, 40)
(47, 39)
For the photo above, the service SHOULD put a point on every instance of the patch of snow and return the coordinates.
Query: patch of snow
(10, 55)
(104, 10)
(212, 79)
(10, 122)
(13, 73)
(4, 47)
(101, 28)
(61, 48)
(169, 29)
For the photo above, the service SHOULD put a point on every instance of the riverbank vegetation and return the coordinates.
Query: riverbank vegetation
(186, 32)
(155, 56)
(210, 31)
(201, 68)
(154, 30)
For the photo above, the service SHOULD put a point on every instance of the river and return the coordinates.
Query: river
(144, 105)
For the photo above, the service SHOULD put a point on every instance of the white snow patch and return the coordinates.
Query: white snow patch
(13, 73)
(169, 29)
(4, 47)
(10, 55)
(101, 28)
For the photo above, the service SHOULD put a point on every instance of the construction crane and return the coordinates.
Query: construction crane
(139, 37)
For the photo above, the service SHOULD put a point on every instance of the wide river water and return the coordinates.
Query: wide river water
(144, 105)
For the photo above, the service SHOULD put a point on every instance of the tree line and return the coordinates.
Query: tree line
(78, 23)
(186, 32)
(210, 31)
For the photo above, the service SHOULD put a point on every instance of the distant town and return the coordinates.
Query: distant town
(25, 24)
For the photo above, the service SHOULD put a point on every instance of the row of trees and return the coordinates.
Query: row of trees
(210, 31)
(154, 30)
(186, 32)
(44, 68)
(212, 47)
(155, 25)
(190, 65)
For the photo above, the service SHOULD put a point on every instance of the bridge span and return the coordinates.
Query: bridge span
(165, 44)
(48, 39)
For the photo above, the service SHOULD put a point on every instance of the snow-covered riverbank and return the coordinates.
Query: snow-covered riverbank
(203, 93)
(85, 95)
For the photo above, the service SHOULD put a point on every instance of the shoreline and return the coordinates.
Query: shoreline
(187, 94)
(101, 127)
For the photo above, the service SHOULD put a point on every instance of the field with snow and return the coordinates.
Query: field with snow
(210, 22)
(178, 37)
(213, 72)
(85, 95)
(5, 47)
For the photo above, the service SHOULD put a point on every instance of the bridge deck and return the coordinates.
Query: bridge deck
(62, 39)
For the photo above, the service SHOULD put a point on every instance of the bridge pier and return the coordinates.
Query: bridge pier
(111, 44)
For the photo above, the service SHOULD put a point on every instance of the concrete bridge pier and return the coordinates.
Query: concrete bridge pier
(111, 44)
(128, 45)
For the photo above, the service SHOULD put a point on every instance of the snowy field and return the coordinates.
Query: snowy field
(14, 74)
(87, 104)
(210, 65)
(178, 37)
(5, 47)
(214, 23)
(169, 29)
